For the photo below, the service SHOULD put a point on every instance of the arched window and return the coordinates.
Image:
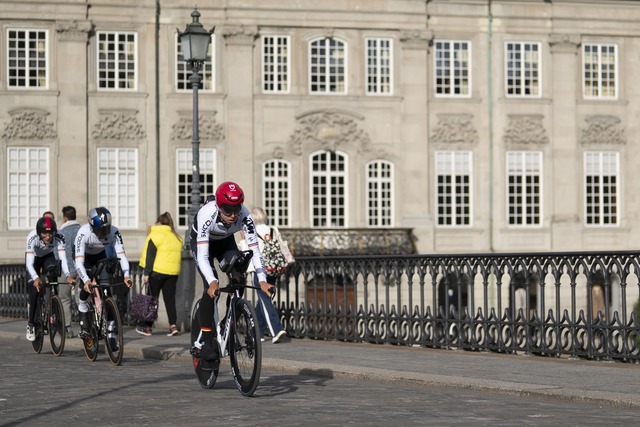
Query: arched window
(276, 192)
(327, 66)
(379, 193)
(328, 189)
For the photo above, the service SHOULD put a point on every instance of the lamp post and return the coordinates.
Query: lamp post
(195, 47)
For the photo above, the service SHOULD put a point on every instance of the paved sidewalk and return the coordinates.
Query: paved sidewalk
(609, 383)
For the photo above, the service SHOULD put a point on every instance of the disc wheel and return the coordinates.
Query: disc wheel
(245, 348)
(90, 342)
(57, 331)
(113, 337)
(206, 377)
(38, 327)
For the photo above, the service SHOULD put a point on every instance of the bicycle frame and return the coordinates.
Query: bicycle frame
(222, 333)
(105, 322)
(49, 314)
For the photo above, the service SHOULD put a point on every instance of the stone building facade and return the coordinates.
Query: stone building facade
(502, 126)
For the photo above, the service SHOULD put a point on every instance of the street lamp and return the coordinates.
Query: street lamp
(195, 47)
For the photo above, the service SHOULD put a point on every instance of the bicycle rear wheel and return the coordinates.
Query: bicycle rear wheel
(38, 327)
(56, 320)
(113, 337)
(206, 377)
(245, 348)
(90, 339)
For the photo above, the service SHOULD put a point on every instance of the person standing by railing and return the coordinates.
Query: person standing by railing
(161, 258)
(268, 318)
(69, 230)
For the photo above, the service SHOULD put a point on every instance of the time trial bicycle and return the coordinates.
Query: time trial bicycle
(238, 333)
(104, 316)
(49, 318)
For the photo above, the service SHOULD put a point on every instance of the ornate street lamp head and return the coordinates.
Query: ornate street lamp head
(195, 40)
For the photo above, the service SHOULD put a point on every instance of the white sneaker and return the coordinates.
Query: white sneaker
(278, 336)
(31, 333)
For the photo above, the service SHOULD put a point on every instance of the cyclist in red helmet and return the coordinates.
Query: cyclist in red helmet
(41, 244)
(211, 236)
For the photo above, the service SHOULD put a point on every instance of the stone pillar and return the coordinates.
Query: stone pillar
(415, 209)
(565, 156)
(239, 81)
(73, 37)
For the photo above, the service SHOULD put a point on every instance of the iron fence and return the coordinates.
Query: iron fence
(549, 304)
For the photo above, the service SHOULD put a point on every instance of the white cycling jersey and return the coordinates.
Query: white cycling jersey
(209, 226)
(90, 244)
(37, 248)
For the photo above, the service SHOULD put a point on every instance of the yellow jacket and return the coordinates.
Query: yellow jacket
(162, 251)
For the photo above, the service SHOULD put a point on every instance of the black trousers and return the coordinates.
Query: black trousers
(40, 264)
(167, 284)
(217, 248)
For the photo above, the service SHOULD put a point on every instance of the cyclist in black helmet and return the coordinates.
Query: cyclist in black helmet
(97, 240)
(40, 254)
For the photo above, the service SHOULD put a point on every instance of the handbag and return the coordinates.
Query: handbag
(284, 246)
(144, 306)
(275, 263)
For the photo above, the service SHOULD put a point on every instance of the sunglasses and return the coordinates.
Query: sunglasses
(230, 210)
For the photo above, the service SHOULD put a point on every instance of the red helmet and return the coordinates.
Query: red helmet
(229, 197)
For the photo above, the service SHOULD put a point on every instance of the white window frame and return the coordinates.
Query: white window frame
(333, 50)
(379, 197)
(457, 54)
(183, 70)
(527, 168)
(117, 184)
(276, 191)
(130, 48)
(28, 176)
(601, 165)
(525, 71)
(276, 55)
(329, 180)
(378, 59)
(31, 59)
(184, 168)
(598, 62)
(454, 164)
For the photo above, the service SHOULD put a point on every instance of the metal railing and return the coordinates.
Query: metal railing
(548, 304)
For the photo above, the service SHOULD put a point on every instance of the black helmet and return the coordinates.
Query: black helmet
(46, 224)
(100, 220)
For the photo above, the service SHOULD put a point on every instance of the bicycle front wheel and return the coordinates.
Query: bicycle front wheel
(245, 348)
(206, 377)
(38, 327)
(90, 339)
(113, 338)
(56, 320)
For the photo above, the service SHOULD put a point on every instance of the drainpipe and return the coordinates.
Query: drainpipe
(157, 76)
(490, 106)
(86, 110)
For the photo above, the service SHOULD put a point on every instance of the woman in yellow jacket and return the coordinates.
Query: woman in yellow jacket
(161, 257)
